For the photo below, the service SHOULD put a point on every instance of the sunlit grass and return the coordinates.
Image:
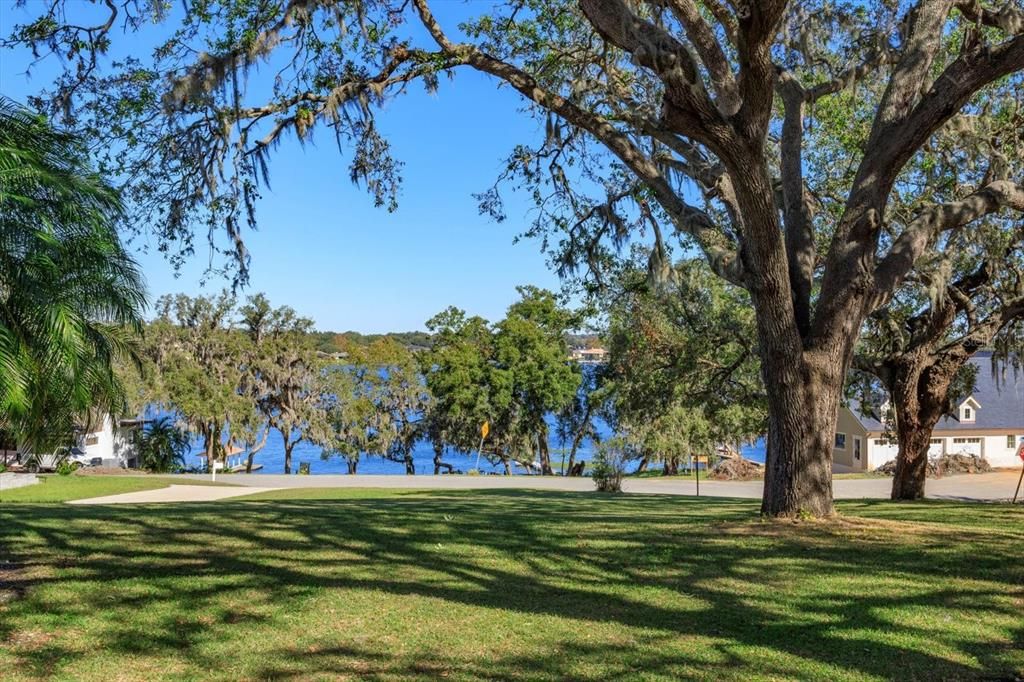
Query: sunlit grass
(520, 585)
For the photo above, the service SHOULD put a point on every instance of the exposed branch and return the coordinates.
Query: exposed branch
(912, 242)
(711, 54)
(654, 48)
(688, 219)
(800, 245)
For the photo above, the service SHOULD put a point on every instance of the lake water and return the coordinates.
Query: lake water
(272, 458)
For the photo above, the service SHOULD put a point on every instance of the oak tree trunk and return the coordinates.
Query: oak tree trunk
(439, 463)
(920, 396)
(803, 405)
(545, 454)
(351, 465)
(642, 466)
(288, 446)
(671, 467)
(911, 463)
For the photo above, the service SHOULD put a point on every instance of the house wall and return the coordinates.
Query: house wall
(996, 451)
(124, 449)
(100, 443)
(112, 443)
(992, 447)
(843, 459)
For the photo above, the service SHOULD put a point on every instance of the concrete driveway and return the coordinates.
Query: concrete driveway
(978, 487)
(174, 493)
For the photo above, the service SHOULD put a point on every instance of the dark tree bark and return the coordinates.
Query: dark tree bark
(642, 466)
(288, 447)
(438, 462)
(919, 369)
(351, 465)
(804, 401)
(670, 467)
(919, 389)
(544, 452)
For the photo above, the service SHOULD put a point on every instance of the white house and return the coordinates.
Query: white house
(101, 440)
(109, 442)
(988, 423)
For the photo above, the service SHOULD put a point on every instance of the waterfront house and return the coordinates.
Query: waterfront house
(988, 423)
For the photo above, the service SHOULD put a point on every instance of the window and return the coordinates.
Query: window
(92, 439)
(966, 440)
(881, 442)
(968, 415)
(856, 448)
(1011, 441)
(840, 441)
(936, 441)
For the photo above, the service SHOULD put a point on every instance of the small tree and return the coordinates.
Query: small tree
(530, 349)
(401, 399)
(610, 463)
(283, 375)
(162, 446)
(683, 374)
(196, 367)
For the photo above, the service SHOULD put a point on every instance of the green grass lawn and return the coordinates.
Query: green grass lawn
(397, 585)
(54, 488)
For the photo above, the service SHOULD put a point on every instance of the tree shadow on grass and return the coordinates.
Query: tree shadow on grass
(625, 586)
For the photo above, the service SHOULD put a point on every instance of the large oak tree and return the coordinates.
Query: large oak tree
(672, 118)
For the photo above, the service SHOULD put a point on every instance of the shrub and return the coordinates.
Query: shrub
(610, 466)
(162, 446)
(66, 468)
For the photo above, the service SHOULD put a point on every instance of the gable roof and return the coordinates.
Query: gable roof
(1000, 399)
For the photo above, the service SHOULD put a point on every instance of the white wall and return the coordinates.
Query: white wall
(880, 454)
(100, 443)
(112, 443)
(998, 454)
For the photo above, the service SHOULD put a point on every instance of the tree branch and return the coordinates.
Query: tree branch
(912, 242)
(711, 54)
(687, 218)
(800, 245)
(691, 109)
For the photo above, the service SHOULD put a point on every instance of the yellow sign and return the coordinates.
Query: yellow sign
(485, 429)
(701, 459)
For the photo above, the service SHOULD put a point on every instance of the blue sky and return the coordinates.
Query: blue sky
(325, 250)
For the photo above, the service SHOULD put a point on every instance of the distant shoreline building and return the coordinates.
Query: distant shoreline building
(588, 356)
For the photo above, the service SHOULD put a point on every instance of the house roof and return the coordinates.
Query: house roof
(1000, 399)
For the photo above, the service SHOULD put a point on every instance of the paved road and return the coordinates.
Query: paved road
(980, 487)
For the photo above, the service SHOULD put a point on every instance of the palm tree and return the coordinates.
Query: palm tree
(70, 295)
(162, 446)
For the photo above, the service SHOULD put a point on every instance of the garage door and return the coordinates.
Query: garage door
(966, 446)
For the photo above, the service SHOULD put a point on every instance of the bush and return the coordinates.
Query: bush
(66, 468)
(162, 446)
(609, 466)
